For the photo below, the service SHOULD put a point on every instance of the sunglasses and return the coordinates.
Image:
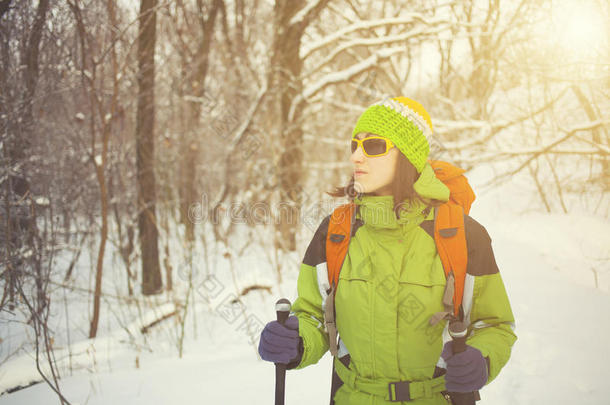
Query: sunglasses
(372, 146)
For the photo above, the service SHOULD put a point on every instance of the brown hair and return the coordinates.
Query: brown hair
(402, 187)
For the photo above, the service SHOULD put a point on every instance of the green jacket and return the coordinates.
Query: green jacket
(391, 283)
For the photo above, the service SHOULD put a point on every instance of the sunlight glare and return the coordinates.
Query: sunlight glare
(580, 27)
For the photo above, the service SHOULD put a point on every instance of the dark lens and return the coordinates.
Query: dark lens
(354, 146)
(374, 146)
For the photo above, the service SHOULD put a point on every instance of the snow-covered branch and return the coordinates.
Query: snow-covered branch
(363, 25)
(328, 165)
(246, 124)
(386, 40)
(601, 148)
(487, 129)
(302, 14)
(326, 140)
(239, 134)
(342, 76)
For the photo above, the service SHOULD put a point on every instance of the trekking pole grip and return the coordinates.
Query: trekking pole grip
(459, 332)
(282, 310)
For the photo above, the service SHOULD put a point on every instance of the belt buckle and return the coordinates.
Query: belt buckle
(401, 391)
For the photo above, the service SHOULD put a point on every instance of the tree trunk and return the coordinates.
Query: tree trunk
(286, 82)
(18, 140)
(100, 167)
(195, 88)
(147, 224)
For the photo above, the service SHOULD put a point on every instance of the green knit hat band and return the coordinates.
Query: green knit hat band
(404, 122)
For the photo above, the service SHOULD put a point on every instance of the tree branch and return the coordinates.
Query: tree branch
(365, 25)
(341, 76)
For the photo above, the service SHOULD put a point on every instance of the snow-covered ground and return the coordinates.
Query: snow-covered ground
(555, 267)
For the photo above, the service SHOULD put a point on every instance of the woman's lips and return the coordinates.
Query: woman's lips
(359, 173)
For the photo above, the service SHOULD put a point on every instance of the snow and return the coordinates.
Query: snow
(546, 260)
(42, 201)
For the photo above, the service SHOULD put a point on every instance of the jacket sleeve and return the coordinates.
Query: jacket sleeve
(309, 306)
(488, 309)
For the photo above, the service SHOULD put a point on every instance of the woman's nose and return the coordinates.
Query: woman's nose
(357, 155)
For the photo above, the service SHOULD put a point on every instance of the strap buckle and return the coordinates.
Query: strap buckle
(399, 391)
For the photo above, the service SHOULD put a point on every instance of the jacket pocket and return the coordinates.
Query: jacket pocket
(354, 309)
(428, 277)
(420, 296)
(354, 286)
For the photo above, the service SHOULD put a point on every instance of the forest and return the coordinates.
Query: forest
(164, 164)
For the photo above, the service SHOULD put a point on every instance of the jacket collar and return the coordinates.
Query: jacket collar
(378, 211)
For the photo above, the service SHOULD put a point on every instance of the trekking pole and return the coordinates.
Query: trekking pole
(282, 310)
(458, 331)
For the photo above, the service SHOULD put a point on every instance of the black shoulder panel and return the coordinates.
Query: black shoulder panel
(481, 260)
(316, 252)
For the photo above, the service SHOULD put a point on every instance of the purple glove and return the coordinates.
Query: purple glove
(282, 343)
(466, 371)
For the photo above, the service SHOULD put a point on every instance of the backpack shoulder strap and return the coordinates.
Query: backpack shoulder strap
(450, 239)
(337, 239)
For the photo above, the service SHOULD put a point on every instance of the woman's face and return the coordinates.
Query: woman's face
(373, 175)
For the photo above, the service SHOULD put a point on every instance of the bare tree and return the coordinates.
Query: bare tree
(18, 124)
(145, 140)
(28, 242)
(36, 299)
(194, 46)
(285, 83)
(101, 118)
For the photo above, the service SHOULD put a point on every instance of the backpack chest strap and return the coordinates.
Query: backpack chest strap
(329, 322)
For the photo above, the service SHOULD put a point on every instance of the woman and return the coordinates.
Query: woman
(392, 281)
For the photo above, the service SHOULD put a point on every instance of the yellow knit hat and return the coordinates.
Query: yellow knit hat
(403, 121)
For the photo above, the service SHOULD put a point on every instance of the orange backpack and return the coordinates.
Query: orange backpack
(449, 236)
